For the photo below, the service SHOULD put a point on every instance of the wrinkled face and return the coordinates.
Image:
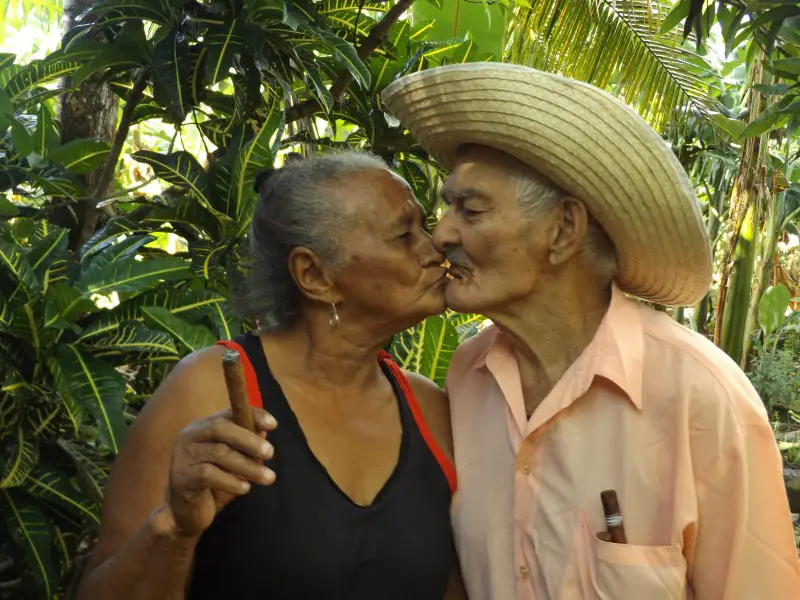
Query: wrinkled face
(390, 271)
(498, 255)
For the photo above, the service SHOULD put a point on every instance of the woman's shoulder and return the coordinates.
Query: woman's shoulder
(435, 409)
(195, 385)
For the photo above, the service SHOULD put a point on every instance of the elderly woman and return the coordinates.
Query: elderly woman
(346, 491)
(561, 203)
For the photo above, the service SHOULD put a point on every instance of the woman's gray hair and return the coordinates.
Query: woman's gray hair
(299, 206)
(538, 195)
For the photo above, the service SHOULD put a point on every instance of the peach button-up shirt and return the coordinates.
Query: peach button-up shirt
(651, 410)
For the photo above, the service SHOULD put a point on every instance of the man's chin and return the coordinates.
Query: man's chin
(459, 301)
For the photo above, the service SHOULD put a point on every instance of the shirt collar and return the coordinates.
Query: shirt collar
(615, 353)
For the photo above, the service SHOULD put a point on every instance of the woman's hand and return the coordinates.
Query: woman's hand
(214, 460)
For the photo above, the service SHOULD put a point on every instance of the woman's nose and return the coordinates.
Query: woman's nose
(429, 255)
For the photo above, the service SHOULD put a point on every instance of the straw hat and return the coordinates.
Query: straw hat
(588, 143)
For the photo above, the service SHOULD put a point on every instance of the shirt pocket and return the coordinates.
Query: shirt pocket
(631, 572)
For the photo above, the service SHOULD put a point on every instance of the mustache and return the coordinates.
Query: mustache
(457, 257)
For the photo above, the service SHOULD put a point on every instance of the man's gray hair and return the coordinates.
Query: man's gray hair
(299, 206)
(538, 195)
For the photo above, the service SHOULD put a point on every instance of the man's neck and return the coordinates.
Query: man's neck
(550, 330)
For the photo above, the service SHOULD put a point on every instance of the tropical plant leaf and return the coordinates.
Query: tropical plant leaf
(223, 44)
(48, 252)
(38, 73)
(93, 468)
(45, 417)
(109, 59)
(227, 323)
(21, 138)
(107, 235)
(147, 111)
(63, 305)
(615, 45)
(74, 411)
(121, 249)
(134, 337)
(13, 258)
(21, 455)
(57, 181)
(181, 169)
(191, 337)
(466, 325)
(172, 68)
(188, 304)
(46, 138)
(33, 534)
(35, 96)
(346, 56)
(427, 348)
(26, 324)
(188, 212)
(132, 276)
(54, 486)
(161, 12)
(97, 388)
(206, 257)
(257, 154)
(81, 156)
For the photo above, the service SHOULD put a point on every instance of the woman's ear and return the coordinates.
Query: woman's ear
(312, 278)
(573, 221)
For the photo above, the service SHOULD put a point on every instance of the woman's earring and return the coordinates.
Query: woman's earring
(333, 319)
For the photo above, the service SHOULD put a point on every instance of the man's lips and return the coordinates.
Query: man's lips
(456, 271)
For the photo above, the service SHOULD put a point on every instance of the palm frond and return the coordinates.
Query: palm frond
(615, 45)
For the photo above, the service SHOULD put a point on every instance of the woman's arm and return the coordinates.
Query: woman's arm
(181, 461)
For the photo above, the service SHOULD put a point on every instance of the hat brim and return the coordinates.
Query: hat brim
(587, 142)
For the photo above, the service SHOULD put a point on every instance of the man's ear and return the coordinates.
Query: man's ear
(570, 230)
(311, 276)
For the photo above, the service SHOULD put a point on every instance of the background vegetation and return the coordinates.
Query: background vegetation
(130, 132)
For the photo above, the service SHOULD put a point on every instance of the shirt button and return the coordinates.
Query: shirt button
(524, 572)
(526, 470)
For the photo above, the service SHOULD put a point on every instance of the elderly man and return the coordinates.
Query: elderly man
(562, 203)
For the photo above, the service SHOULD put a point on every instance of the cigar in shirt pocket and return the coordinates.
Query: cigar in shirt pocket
(615, 529)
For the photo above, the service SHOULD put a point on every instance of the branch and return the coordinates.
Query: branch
(376, 35)
(107, 174)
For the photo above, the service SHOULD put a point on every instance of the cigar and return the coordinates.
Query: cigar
(237, 390)
(613, 517)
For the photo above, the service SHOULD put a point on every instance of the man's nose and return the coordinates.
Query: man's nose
(445, 234)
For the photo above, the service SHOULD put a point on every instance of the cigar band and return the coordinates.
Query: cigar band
(614, 520)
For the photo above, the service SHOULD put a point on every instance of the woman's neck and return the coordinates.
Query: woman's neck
(341, 357)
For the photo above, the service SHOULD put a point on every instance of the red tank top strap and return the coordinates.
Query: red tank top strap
(444, 462)
(251, 381)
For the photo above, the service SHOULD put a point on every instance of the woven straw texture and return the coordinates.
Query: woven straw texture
(586, 141)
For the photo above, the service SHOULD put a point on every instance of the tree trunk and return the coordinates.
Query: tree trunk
(88, 112)
(734, 325)
(743, 200)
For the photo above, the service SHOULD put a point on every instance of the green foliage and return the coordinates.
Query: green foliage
(67, 364)
(87, 332)
(623, 46)
(213, 92)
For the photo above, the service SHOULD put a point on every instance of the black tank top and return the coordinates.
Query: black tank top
(303, 539)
